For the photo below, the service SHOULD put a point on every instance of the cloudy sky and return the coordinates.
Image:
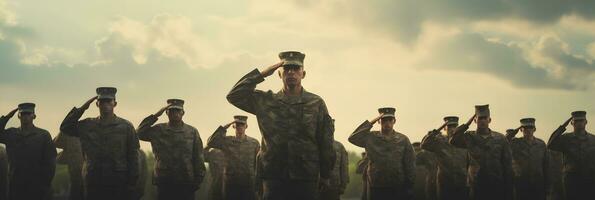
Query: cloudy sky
(526, 58)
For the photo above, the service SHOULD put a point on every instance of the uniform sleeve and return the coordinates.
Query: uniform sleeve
(217, 139)
(325, 137)
(556, 141)
(460, 137)
(508, 173)
(3, 122)
(60, 141)
(70, 124)
(49, 160)
(360, 136)
(344, 168)
(431, 143)
(243, 94)
(146, 130)
(198, 160)
(361, 165)
(132, 156)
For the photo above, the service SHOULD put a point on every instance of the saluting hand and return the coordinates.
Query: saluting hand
(269, 70)
(226, 126)
(11, 113)
(160, 112)
(567, 122)
(377, 118)
(471, 120)
(86, 105)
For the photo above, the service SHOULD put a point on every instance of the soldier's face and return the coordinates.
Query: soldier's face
(387, 123)
(528, 131)
(240, 128)
(175, 115)
(106, 106)
(579, 125)
(483, 122)
(292, 75)
(27, 117)
(451, 128)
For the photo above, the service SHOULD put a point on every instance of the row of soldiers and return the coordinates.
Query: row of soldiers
(479, 164)
(296, 158)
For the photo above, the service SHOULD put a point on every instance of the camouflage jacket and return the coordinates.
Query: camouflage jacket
(530, 162)
(491, 161)
(178, 152)
(31, 155)
(71, 150)
(340, 174)
(240, 156)
(452, 161)
(110, 149)
(216, 160)
(297, 132)
(578, 151)
(392, 159)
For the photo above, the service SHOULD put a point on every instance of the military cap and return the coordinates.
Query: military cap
(241, 119)
(176, 104)
(482, 110)
(106, 92)
(528, 122)
(579, 115)
(27, 108)
(451, 120)
(292, 58)
(387, 111)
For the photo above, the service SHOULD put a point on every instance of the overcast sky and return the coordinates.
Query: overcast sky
(526, 58)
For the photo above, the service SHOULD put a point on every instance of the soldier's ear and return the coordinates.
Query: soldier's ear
(489, 119)
(97, 103)
(279, 72)
(304, 76)
(115, 103)
(34, 116)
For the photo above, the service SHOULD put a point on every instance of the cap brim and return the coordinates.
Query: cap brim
(240, 121)
(26, 111)
(100, 97)
(292, 63)
(579, 118)
(176, 107)
(388, 115)
(452, 123)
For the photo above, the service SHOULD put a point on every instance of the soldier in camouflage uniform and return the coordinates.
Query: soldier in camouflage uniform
(362, 168)
(110, 148)
(258, 177)
(425, 173)
(3, 173)
(530, 160)
(142, 178)
(555, 176)
(31, 156)
(578, 148)
(216, 160)
(72, 156)
(490, 169)
(177, 146)
(297, 130)
(391, 171)
(451, 177)
(240, 159)
(339, 175)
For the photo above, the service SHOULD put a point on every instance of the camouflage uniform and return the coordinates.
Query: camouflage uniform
(451, 175)
(362, 168)
(179, 164)
(216, 160)
(240, 160)
(143, 173)
(555, 176)
(32, 160)
(339, 175)
(579, 160)
(297, 134)
(110, 148)
(391, 170)
(425, 175)
(530, 165)
(72, 156)
(3, 174)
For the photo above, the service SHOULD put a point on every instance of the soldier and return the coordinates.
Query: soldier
(452, 162)
(425, 173)
(258, 177)
(72, 157)
(490, 170)
(339, 175)
(578, 148)
(177, 146)
(555, 176)
(31, 156)
(110, 148)
(297, 131)
(240, 159)
(142, 178)
(3, 173)
(362, 168)
(529, 162)
(216, 160)
(391, 171)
